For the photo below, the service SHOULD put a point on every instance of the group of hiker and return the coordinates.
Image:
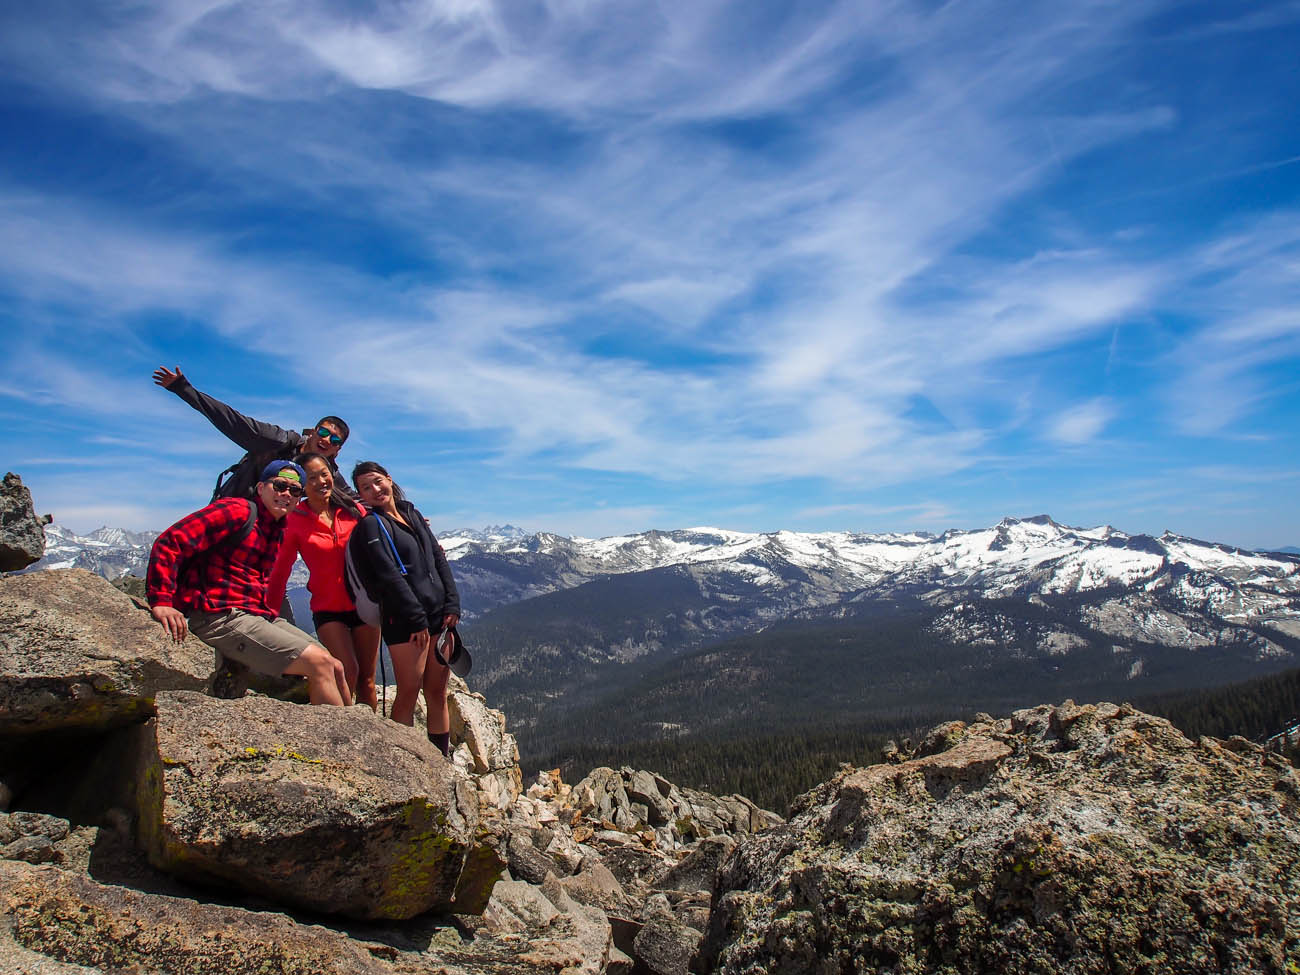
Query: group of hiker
(375, 571)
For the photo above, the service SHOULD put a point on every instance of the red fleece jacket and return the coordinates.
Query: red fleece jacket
(191, 570)
(322, 547)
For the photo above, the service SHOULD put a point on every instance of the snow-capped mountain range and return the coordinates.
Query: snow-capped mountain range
(109, 552)
(999, 561)
(1026, 609)
(1016, 557)
(113, 552)
(1171, 586)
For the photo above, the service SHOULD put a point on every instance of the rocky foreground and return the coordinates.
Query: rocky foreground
(149, 828)
(1079, 839)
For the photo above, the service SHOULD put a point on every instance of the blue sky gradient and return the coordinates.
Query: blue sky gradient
(596, 267)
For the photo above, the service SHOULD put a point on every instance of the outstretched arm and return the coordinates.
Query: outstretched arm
(244, 430)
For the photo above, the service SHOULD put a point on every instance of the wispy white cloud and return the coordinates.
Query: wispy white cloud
(137, 496)
(39, 379)
(1248, 475)
(1245, 289)
(82, 518)
(642, 288)
(1250, 18)
(1082, 423)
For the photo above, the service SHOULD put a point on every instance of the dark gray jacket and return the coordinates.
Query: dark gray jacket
(427, 592)
(264, 442)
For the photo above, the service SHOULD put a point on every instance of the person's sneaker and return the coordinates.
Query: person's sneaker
(230, 679)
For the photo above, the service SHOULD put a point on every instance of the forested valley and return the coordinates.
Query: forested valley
(774, 767)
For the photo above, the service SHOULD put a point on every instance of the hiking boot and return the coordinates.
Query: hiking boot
(230, 680)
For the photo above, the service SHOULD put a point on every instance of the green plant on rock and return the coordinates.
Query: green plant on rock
(418, 867)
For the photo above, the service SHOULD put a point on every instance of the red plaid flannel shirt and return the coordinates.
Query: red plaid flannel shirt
(232, 577)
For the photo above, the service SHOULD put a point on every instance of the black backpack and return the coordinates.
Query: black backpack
(239, 479)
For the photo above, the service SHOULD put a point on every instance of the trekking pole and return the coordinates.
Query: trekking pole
(383, 676)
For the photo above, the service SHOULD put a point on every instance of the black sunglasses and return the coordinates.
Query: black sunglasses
(333, 438)
(279, 484)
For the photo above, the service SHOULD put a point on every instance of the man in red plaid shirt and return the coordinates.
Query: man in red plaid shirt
(206, 579)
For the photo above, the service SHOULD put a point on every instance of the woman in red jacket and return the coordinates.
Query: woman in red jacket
(318, 529)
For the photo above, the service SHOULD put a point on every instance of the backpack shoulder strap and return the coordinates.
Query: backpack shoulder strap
(223, 479)
(401, 566)
(228, 541)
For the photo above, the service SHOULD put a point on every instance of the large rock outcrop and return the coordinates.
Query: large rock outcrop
(484, 748)
(54, 913)
(77, 655)
(60, 922)
(332, 809)
(590, 845)
(1067, 839)
(22, 533)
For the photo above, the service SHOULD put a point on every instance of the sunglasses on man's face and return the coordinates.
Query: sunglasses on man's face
(333, 438)
(279, 485)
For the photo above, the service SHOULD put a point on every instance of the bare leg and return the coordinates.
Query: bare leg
(435, 696)
(408, 666)
(325, 684)
(338, 641)
(365, 641)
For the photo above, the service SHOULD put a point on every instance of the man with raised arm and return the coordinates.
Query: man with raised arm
(208, 575)
(263, 442)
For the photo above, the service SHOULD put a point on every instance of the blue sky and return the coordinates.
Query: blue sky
(596, 267)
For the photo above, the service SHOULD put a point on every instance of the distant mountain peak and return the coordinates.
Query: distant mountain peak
(489, 533)
(120, 536)
(508, 531)
(1041, 520)
(1030, 520)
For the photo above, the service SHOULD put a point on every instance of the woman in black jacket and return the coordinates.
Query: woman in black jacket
(416, 604)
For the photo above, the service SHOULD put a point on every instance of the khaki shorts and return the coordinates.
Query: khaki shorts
(265, 646)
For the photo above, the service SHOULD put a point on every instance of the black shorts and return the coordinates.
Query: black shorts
(396, 631)
(399, 631)
(348, 618)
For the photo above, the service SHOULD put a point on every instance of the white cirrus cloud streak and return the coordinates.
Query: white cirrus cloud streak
(690, 310)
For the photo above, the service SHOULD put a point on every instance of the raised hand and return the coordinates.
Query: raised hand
(164, 377)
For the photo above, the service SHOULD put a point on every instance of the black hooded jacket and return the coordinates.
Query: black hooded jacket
(427, 592)
(264, 442)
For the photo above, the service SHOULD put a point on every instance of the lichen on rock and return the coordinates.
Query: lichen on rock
(1091, 838)
(332, 809)
(77, 655)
